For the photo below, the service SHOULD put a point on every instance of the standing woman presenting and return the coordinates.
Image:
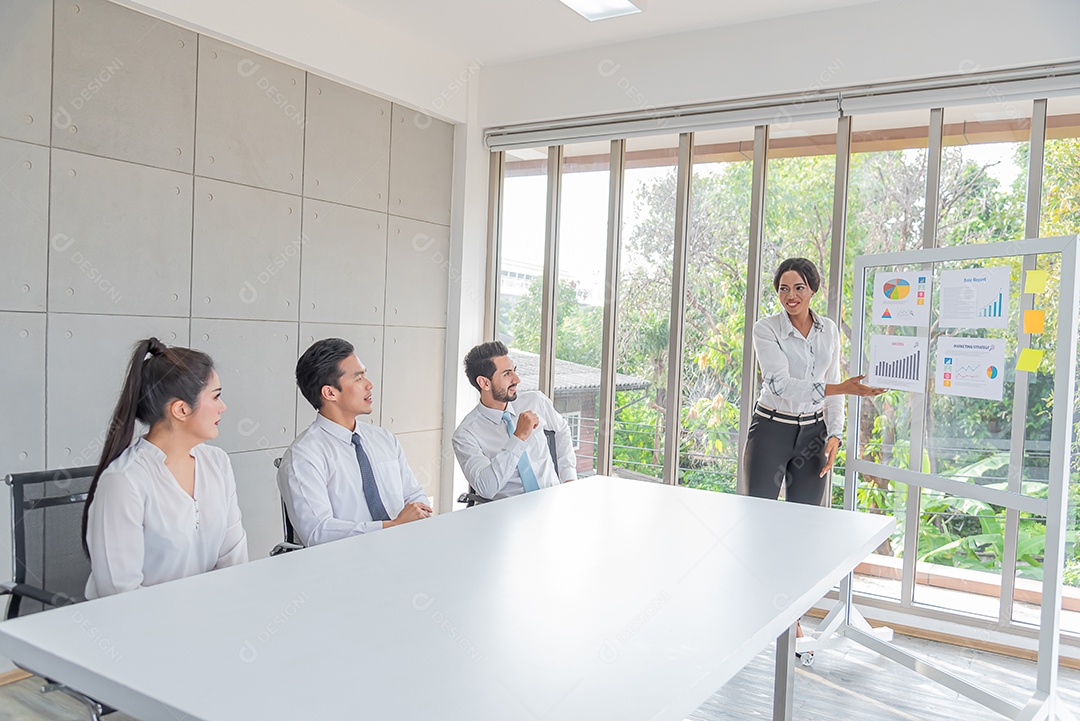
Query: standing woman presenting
(799, 417)
(165, 506)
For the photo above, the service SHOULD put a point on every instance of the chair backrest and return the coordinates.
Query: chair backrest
(46, 533)
(550, 436)
(289, 531)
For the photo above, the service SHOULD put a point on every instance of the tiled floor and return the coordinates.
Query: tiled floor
(852, 683)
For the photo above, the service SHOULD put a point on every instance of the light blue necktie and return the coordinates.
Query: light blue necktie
(525, 469)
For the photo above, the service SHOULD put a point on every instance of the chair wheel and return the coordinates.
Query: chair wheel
(808, 658)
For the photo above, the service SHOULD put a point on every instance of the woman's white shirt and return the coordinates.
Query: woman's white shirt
(795, 369)
(144, 529)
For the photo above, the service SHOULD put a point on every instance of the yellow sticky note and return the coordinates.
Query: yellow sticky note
(1034, 321)
(1029, 360)
(1035, 281)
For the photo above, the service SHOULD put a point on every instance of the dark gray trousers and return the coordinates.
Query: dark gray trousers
(778, 453)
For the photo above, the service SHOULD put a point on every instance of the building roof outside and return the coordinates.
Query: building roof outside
(569, 376)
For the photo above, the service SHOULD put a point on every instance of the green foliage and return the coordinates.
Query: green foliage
(1071, 576)
(1061, 188)
(577, 326)
(967, 533)
(636, 429)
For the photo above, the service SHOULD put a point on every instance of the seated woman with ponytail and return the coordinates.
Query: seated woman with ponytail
(164, 507)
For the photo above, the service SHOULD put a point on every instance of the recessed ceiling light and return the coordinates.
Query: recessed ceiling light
(603, 9)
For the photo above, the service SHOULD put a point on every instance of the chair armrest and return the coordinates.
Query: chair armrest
(285, 547)
(37, 594)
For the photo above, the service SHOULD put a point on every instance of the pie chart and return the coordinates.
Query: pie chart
(896, 289)
(992, 372)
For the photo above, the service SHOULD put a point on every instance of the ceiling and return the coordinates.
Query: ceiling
(500, 31)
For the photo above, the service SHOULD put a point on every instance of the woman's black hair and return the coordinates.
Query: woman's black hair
(803, 267)
(151, 384)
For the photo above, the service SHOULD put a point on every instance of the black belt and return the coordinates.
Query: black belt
(805, 419)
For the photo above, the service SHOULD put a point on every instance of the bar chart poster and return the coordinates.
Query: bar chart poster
(970, 367)
(974, 298)
(898, 362)
(902, 298)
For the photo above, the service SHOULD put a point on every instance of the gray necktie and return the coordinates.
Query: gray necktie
(371, 491)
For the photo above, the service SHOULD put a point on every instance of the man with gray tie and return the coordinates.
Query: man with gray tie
(501, 444)
(341, 478)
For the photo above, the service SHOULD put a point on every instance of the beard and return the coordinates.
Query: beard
(503, 396)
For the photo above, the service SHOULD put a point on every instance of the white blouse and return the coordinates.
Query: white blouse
(795, 369)
(144, 529)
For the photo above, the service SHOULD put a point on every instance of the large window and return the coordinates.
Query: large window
(799, 187)
(715, 308)
(1061, 170)
(886, 194)
(948, 553)
(886, 198)
(583, 220)
(521, 257)
(984, 164)
(1060, 215)
(643, 325)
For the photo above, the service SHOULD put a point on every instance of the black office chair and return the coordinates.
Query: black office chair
(292, 541)
(472, 498)
(50, 568)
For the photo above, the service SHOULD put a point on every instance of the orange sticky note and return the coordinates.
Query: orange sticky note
(1034, 321)
(1029, 360)
(1035, 281)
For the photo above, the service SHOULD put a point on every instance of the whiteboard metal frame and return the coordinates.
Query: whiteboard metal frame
(1044, 703)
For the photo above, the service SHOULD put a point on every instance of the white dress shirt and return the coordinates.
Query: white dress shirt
(489, 455)
(320, 480)
(795, 369)
(144, 529)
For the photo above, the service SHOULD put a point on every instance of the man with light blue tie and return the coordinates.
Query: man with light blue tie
(502, 444)
(341, 478)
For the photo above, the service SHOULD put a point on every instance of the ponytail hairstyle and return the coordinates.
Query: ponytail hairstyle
(150, 386)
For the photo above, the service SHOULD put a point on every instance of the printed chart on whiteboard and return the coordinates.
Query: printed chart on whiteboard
(902, 298)
(975, 298)
(898, 362)
(971, 367)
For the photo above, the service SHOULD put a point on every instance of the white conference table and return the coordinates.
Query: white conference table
(600, 599)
